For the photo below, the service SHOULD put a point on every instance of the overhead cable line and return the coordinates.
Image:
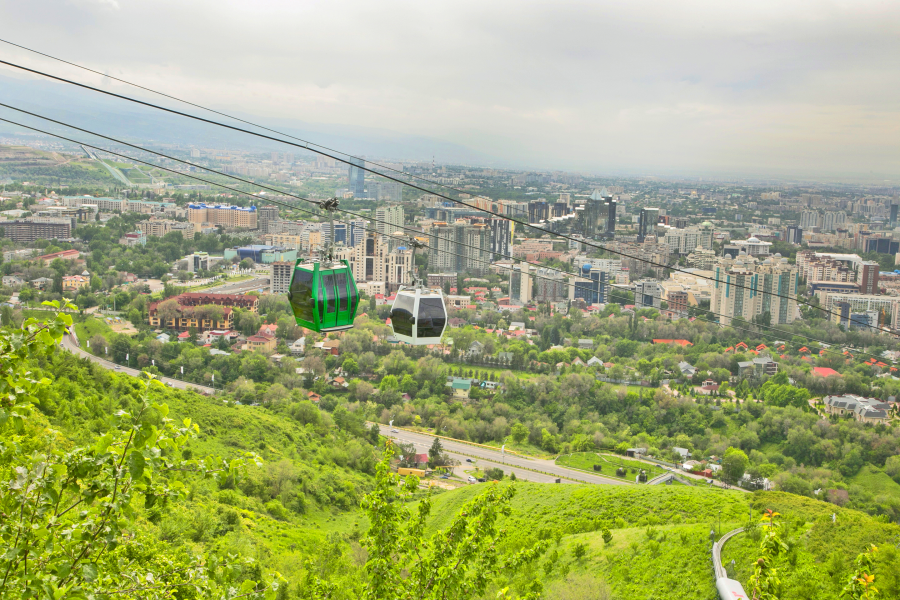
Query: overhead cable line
(288, 194)
(406, 183)
(306, 146)
(248, 194)
(229, 116)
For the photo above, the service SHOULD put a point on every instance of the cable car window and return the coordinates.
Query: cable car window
(432, 317)
(341, 278)
(402, 314)
(302, 295)
(329, 292)
(354, 300)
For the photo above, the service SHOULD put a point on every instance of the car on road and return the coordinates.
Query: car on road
(394, 431)
(468, 460)
(117, 368)
(472, 479)
(481, 479)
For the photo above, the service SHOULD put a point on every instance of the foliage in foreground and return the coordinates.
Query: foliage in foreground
(68, 513)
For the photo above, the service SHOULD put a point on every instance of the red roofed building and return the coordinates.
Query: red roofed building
(825, 371)
(63, 255)
(682, 343)
(195, 310)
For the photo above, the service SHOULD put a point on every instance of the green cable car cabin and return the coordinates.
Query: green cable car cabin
(323, 297)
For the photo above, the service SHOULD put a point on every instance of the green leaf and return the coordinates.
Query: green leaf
(102, 443)
(88, 572)
(247, 586)
(136, 464)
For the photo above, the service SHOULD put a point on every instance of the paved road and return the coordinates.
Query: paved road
(239, 287)
(491, 458)
(69, 344)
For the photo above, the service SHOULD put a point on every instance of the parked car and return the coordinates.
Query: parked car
(394, 431)
(481, 480)
(472, 479)
(468, 460)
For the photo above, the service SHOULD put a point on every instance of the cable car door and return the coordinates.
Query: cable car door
(328, 313)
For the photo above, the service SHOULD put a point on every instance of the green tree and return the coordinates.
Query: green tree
(519, 432)
(70, 509)
(458, 563)
(765, 583)
(735, 464)
(862, 582)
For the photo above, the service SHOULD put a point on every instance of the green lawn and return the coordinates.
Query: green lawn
(609, 464)
(877, 482)
(90, 327)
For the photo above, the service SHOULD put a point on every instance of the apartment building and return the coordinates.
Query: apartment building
(28, 230)
(280, 273)
(747, 287)
(223, 215)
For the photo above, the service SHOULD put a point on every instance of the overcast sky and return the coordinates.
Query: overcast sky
(781, 87)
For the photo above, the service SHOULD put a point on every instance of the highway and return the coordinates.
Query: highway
(508, 462)
(69, 344)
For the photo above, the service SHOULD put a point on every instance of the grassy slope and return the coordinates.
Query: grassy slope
(876, 481)
(660, 545)
(609, 462)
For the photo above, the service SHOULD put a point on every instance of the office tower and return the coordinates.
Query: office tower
(794, 235)
(520, 285)
(388, 191)
(894, 210)
(552, 286)
(389, 219)
(647, 221)
(357, 177)
(538, 211)
(592, 286)
(647, 294)
(868, 277)
(372, 260)
(745, 287)
(612, 204)
(264, 216)
(598, 215)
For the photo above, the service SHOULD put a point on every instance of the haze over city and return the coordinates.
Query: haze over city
(770, 89)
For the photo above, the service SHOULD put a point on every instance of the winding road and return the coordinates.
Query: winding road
(69, 344)
(528, 469)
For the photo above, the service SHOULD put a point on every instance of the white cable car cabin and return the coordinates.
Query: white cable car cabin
(418, 316)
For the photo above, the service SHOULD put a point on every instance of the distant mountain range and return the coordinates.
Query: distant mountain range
(137, 124)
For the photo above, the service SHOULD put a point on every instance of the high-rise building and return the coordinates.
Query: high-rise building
(280, 277)
(389, 219)
(372, 260)
(501, 236)
(867, 276)
(794, 235)
(357, 177)
(357, 232)
(552, 286)
(538, 211)
(809, 219)
(264, 216)
(520, 285)
(647, 294)
(745, 287)
(598, 215)
(647, 221)
(894, 210)
(685, 241)
(678, 302)
(460, 247)
(592, 286)
(833, 220)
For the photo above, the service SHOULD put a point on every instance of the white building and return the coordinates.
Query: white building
(745, 287)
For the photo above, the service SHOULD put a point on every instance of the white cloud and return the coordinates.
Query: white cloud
(698, 85)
